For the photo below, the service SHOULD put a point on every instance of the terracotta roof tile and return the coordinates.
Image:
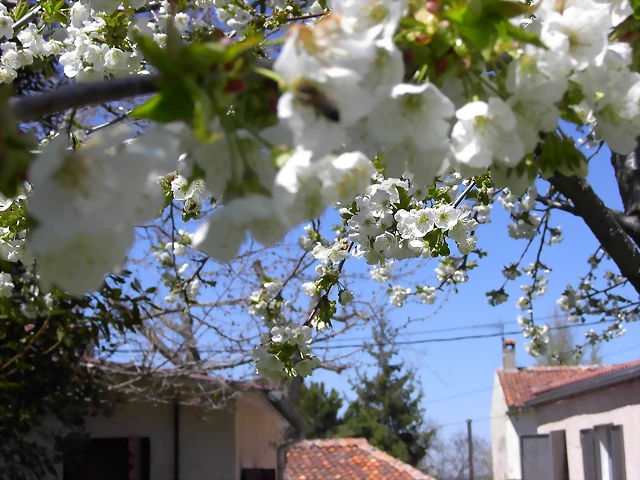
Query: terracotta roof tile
(603, 370)
(345, 459)
(525, 383)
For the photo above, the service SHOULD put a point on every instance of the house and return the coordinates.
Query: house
(196, 427)
(345, 459)
(182, 430)
(565, 422)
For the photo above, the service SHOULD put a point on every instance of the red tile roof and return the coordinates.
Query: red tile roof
(345, 459)
(603, 370)
(525, 383)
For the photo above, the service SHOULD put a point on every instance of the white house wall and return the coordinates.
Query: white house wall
(505, 435)
(619, 405)
(207, 444)
(207, 439)
(498, 431)
(521, 423)
(257, 432)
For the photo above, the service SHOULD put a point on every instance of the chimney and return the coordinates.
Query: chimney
(509, 355)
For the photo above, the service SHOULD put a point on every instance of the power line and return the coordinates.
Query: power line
(438, 330)
(405, 342)
(466, 337)
(483, 419)
(462, 394)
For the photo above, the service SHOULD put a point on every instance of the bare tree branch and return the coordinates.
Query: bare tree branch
(548, 202)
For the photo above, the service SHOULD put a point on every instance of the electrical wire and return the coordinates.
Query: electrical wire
(466, 337)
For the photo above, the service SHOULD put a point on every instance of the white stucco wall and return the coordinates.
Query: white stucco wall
(207, 438)
(498, 431)
(619, 405)
(207, 444)
(257, 432)
(521, 423)
(214, 444)
(506, 429)
(142, 420)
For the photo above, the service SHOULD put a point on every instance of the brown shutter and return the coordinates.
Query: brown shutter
(559, 455)
(619, 470)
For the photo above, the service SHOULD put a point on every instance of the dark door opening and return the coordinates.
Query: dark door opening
(110, 459)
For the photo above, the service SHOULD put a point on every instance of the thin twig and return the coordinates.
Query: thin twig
(305, 17)
(29, 344)
(110, 123)
(325, 296)
(464, 194)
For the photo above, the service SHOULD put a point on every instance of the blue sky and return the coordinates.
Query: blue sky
(457, 377)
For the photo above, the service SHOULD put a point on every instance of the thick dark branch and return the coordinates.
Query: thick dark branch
(81, 94)
(627, 169)
(599, 219)
(629, 223)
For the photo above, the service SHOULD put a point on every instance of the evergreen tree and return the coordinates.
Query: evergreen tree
(561, 348)
(319, 409)
(387, 411)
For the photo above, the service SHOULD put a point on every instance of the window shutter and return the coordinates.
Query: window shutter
(617, 453)
(559, 455)
(590, 454)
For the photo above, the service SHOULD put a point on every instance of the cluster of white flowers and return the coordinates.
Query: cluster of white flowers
(385, 229)
(82, 44)
(30, 47)
(6, 285)
(382, 273)
(427, 295)
(269, 363)
(346, 102)
(264, 305)
(86, 55)
(398, 295)
(192, 194)
(87, 201)
(448, 272)
(569, 299)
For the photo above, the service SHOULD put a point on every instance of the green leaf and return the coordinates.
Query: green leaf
(157, 56)
(203, 113)
(404, 198)
(509, 30)
(173, 103)
(20, 10)
(507, 9)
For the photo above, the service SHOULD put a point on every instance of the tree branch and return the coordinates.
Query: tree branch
(627, 170)
(602, 223)
(548, 202)
(81, 94)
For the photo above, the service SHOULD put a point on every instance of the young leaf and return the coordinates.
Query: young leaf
(173, 103)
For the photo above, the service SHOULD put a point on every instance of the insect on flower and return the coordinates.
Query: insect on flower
(316, 99)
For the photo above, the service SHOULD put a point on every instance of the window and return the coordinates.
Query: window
(603, 453)
(110, 459)
(544, 456)
(258, 474)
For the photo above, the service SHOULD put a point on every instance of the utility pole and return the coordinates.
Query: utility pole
(470, 441)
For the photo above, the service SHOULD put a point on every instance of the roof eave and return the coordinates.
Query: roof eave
(584, 386)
